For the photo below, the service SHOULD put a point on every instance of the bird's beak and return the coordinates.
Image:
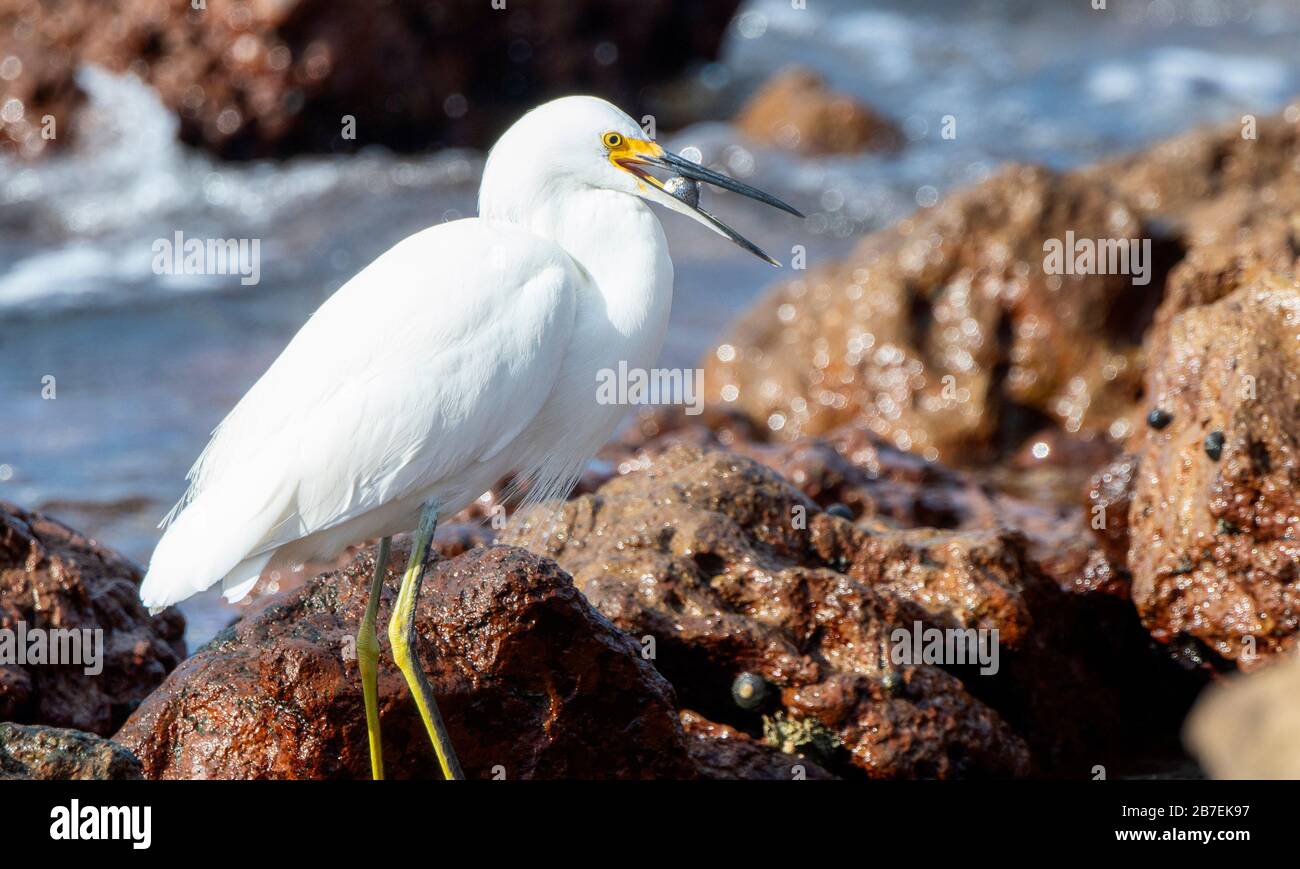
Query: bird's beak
(638, 153)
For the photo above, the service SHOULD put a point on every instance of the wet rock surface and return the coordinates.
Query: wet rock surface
(1183, 175)
(1109, 499)
(795, 110)
(1213, 524)
(1199, 513)
(39, 753)
(946, 335)
(532, 682)
(852, 471)
(722, 752)
(53, 579)
(704, 553)
(1230, 194)
(272, 79)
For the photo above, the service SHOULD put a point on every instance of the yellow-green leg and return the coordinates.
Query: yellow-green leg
(368, 660)
(401, 634)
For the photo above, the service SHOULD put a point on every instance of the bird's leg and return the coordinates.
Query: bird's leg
(401, 634)
(368, 660)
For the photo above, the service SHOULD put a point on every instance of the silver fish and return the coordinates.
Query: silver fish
(685, 189)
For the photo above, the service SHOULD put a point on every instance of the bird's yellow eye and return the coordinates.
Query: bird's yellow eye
(612, 140)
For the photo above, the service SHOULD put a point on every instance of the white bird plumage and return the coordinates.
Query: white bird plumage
(467, 352)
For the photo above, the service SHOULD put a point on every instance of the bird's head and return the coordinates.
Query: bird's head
(586, 142)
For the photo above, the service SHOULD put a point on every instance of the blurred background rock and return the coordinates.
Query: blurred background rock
(277, 77)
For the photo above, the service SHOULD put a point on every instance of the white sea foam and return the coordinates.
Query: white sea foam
(78, 228)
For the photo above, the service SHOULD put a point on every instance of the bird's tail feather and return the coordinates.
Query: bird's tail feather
(220, 535)
(236, 584)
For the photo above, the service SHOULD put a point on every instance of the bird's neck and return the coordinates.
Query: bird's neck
(617, 240)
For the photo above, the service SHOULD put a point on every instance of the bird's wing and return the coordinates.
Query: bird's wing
(431, 359)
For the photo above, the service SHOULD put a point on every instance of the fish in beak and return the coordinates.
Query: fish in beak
(637, 154)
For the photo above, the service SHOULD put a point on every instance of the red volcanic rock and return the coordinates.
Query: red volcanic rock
(1109, 498)
(849, 466)
(532, 682)
(38, 90)
(852, 471)
(1214, 527)
(944, 334)
(795, 110)
(722, 752)
(1231, 200)
(52, 578)
(730, 570)
(264, 79)
(1181, 175)
(1231, 240)
(54, 754)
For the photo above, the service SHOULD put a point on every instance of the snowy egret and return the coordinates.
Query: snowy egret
(467, 352)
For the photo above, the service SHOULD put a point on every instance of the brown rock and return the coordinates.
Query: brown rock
(38, 91)
(795, 110)
(945, 335)
(850, 466)
(1214, 524)
(722, 752)
(53, 578)
(1085, 626)
(1188, 171)
(1233, 201)
(699, 550)
(1109, 498)
(1103, 567)
(853, 470)
(1210, 272)
(54, 754)
(528, 677)
(259, 79)
(1248, 726)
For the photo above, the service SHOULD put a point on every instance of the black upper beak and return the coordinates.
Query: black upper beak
(696, 172)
